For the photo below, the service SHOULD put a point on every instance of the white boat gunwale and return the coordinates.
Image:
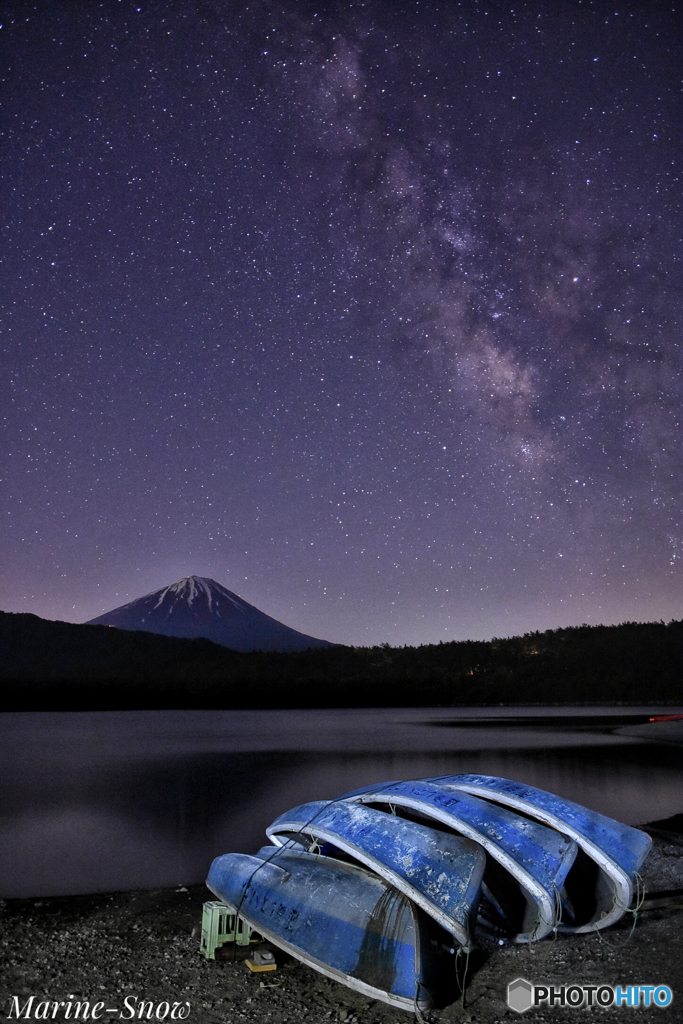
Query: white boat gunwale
(266, 856)
(548, 907)
(331, 972)
(459, 930)
(620, 880)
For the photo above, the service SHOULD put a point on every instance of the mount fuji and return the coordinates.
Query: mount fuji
(199, 607)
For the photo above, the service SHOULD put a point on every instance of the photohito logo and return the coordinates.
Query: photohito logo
(522, 995)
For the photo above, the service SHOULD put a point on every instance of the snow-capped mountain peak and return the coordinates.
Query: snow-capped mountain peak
(196, 606)
(191, 588)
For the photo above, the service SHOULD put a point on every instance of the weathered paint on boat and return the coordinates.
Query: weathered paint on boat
(537, 857)
(439, 871)
(338, 918)
(617, 849)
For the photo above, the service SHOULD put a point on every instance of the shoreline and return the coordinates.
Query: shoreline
(131, 951)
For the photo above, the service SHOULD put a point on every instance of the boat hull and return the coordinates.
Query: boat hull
(537, 858)
(442, 873)
(617, 850)
(337, 918)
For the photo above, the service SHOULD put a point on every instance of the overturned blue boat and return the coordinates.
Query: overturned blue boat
(441, 873)
(383, 887)
(599, 888)
(527, 863)
(341, 919)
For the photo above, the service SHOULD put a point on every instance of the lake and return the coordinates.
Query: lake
(103, 801)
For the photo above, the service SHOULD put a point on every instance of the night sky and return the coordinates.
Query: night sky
(371, 312)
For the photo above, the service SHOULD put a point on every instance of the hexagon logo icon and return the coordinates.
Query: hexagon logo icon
(520, 995)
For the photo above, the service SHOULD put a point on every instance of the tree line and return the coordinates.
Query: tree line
(61, 666)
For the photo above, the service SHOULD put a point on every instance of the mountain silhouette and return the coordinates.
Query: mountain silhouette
(199, 607)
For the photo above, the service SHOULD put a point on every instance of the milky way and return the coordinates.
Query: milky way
(370, 312)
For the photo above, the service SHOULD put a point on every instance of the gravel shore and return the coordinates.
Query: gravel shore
(121, 949)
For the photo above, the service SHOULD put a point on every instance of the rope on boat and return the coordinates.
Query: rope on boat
(555, 919)
(416, 1008)
(258, 867)
(558, 911)
(462, 985)
(276, 850)
(640, 899)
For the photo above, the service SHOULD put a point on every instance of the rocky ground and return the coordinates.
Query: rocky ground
(123, 948)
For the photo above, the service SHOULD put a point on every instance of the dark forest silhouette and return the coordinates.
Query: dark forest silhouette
(48, 665)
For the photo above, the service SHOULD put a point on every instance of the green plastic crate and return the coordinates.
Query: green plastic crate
(220, 924)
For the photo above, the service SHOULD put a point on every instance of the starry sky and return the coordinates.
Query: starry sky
(370, 311)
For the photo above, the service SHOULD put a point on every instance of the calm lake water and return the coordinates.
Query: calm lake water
(99, 801)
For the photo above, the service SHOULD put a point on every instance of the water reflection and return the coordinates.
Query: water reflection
(91, 802)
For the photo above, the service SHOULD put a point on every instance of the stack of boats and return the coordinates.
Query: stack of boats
(383, 888)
